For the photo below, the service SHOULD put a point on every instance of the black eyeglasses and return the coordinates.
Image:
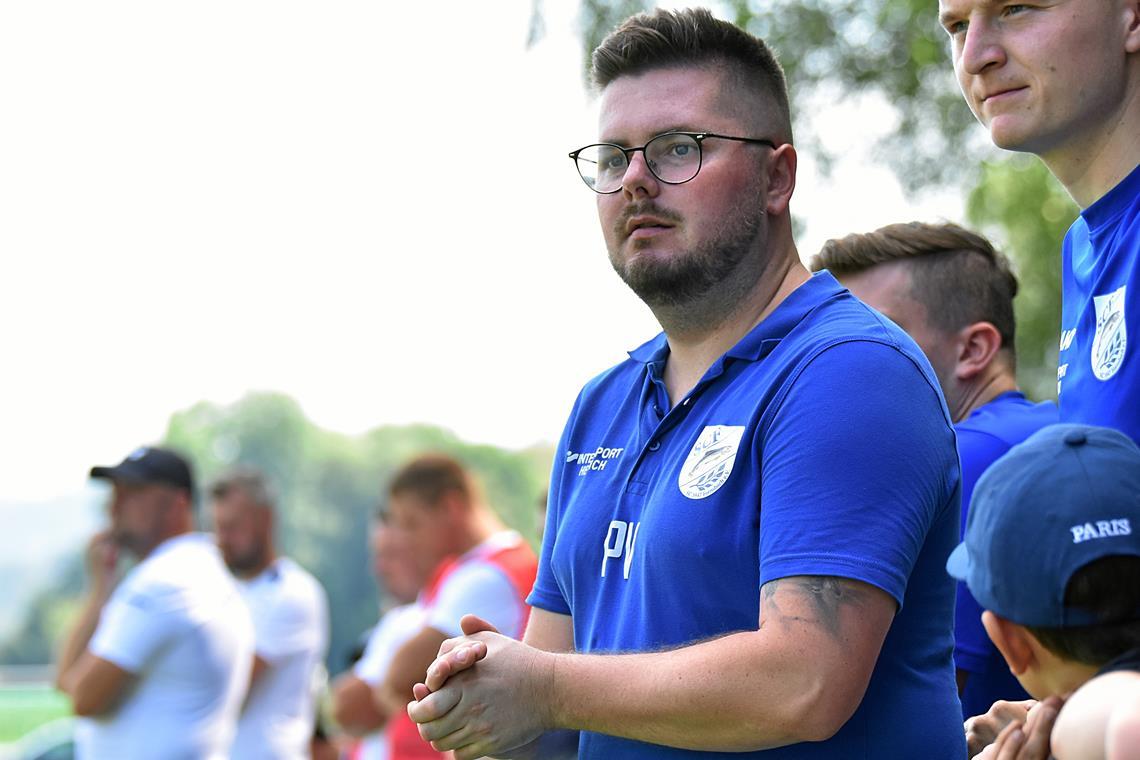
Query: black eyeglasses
(673, 157)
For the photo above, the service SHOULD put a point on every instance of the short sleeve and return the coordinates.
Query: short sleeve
(477, 588)
(858, 461)
(133, 627)
(546, 593)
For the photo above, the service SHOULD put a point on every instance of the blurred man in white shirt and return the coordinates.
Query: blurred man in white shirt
(290, 620)
(158, 664)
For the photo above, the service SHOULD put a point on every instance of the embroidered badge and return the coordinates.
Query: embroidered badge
(710, 461)
(1111, 337)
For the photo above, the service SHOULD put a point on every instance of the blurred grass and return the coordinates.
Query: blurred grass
(25, 707)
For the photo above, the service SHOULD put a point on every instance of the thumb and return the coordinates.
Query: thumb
(472, 624)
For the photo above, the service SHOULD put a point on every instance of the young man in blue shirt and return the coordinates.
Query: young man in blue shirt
(953, 293)
(1061, 79)
(748, 518)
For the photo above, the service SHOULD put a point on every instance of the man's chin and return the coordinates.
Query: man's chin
(1008, 134)
(662, 290)
(242, 565)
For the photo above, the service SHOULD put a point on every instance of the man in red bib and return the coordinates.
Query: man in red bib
(478, 567)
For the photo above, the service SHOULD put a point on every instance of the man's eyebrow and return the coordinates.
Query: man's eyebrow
(947, 14)
(658, 133)
(951, 14)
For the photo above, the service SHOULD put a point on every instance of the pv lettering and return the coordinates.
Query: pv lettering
(1101, 529)
(621, 538)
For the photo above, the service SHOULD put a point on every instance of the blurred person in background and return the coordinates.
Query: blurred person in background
(953, 293)
(355, 708)
(157, 664)
(477, 567)
(290, 621)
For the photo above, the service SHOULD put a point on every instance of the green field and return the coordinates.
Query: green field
(23, 708)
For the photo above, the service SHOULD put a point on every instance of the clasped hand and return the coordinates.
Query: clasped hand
(1013, 730)
(484, 694)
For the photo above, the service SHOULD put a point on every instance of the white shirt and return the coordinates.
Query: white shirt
(291, 630)
(176, 622)
(394, 630)
(479, 587)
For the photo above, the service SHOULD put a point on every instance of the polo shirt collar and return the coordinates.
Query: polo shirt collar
(822, 286)
(1116, 202)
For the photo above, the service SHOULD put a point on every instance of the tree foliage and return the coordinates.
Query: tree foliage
(329, 487)
(836, 50)
(1019, 201)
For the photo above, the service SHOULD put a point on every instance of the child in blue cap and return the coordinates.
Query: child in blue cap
(1052, 552)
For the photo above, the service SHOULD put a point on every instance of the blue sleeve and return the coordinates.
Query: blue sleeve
(972, 646)
(851, 489)
(978, 451)
(547, 594)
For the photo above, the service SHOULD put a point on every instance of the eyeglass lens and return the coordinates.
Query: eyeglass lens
(672, 158)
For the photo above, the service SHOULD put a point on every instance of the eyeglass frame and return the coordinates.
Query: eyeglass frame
(698, 138)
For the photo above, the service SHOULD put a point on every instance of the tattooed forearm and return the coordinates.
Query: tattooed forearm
(814, 599)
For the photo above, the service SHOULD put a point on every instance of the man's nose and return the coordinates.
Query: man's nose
(639, 181)
(982, 47)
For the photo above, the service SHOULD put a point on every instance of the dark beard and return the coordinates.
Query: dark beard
(245, 564)
(692, 275)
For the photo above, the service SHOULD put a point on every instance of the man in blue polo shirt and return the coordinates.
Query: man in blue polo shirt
(953, 293)
(748, 518)
(1061, 80)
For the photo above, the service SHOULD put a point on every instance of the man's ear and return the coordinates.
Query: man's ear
(781, 179)
(1132, 27)
(1012, 640)
(977, 345)
(455, 504)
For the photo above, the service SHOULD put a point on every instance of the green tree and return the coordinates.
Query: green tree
(1019, 201)
(894, 49)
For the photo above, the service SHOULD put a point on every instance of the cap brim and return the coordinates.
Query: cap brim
(958, 563)
(119, 472)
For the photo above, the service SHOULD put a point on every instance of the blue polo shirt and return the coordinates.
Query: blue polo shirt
(818, 445)
(984, 437)
(1098, 372)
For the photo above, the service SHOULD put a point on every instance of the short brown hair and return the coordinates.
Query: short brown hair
(1101, 589)
(693, 37)
(430, 476)
(955, 273)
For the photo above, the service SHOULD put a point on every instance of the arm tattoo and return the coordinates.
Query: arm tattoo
(828, 595)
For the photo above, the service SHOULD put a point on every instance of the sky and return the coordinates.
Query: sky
(367, 206)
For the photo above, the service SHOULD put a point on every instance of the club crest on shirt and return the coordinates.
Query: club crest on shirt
(1111, 337)
(710, 461)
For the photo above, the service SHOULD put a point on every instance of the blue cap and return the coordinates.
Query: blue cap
(1065, 497)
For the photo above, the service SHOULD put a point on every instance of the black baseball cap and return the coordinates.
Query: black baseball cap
(150, 464)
